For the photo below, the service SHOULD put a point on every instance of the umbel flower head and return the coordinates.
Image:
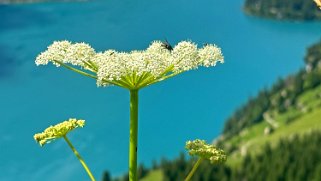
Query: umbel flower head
(131, 70)
(205, 151)
(58, 131)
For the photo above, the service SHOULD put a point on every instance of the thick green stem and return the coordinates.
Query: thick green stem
(80, 159)
(191, 173)
(133, 131)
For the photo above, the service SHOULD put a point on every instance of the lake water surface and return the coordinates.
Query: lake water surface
(193, 105)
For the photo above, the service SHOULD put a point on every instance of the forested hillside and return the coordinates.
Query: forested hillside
(282, 97)
(293, 159)
(283, 9)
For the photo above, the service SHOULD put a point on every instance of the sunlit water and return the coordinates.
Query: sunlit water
(193, 105)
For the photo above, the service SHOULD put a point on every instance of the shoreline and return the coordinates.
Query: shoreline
(9, 2)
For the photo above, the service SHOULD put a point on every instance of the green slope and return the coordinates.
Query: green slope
(294, 121)
(154, 175)
(251, 140)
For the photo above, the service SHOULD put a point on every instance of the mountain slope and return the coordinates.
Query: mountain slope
(291, 106)
(282, 97)
(254, 144)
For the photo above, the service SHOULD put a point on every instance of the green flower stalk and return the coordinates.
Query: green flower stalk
(131, 70)
(60, 131)
(205, 152)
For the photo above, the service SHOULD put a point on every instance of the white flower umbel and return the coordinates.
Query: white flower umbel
(131, 70)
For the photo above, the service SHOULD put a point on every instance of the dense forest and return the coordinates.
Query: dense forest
(283, 9)
(293, 159)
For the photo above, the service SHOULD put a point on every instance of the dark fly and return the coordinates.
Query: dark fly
(167, 45)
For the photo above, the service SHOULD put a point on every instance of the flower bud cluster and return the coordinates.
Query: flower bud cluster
(205, 151)
(58, 131)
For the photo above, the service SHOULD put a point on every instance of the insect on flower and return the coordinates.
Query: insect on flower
(318, 2)
(167, 45)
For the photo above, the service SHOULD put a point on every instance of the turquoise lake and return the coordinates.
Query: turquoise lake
(193, 105)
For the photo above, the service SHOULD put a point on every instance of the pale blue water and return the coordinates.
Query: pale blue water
(193, 105)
